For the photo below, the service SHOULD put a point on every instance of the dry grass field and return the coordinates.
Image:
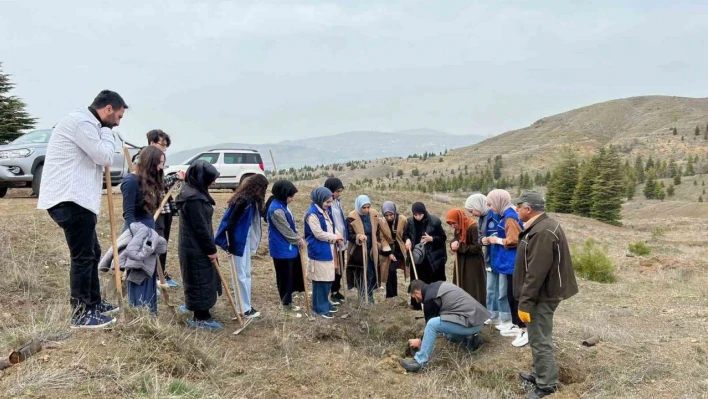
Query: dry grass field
(652, 323)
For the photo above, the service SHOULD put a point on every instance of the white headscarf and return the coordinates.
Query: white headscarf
(477, 202)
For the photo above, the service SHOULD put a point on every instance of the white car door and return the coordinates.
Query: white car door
(231, 167)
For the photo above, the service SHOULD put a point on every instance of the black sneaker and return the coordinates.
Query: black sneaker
(106, 308)
(329, 315)
(539, 393)
(91, 319)
(410, 365)
(252, 314)
(338, 297)
(527, 377)
(474, 343)
(333, 310)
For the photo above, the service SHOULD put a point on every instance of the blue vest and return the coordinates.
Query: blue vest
(503, 259)
(316, 249)
(344, 233)
(239, 237)
(278, 246)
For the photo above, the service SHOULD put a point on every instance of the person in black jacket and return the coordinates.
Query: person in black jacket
(425, 232)
(196, 244)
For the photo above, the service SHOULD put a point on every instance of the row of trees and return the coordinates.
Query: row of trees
(594, 188)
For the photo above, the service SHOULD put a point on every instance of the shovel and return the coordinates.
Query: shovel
(215, 262)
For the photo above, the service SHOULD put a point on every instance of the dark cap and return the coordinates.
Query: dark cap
(531, 198)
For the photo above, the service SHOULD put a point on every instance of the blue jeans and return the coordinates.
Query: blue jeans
(320, 297)
(497, 301)
(452, 331)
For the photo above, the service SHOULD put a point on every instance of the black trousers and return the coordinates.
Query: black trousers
(391, 282)
(513, 303)
(163, 225)
(79, 225)
(337, 284)
(288, 278)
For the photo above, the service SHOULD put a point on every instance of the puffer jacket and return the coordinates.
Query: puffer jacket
(138, 248)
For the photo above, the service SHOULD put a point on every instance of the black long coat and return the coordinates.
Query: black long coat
(196, 241)
(432, 268)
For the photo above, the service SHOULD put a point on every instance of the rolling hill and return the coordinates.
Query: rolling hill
(345, 147)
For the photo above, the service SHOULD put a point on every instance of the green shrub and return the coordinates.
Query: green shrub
(657, 232)
(640, 248)
(591, 261)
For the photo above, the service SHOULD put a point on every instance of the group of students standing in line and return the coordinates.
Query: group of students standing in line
(367, 248)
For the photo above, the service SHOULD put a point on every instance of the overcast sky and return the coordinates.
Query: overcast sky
(209, 71)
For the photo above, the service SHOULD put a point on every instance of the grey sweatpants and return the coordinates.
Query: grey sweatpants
(541, 341)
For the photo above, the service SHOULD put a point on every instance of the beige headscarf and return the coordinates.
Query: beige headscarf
(500, 200)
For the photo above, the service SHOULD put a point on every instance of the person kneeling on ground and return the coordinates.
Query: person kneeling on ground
(448, 310)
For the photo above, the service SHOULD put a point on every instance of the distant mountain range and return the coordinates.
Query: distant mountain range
(343, 147)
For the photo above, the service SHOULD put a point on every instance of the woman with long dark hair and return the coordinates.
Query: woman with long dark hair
(142, 192)
(284, 245)
(240, 233)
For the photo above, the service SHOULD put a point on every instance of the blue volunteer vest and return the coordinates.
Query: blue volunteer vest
(316, 249)
(278, 246)
(503, 259)
(239, 237)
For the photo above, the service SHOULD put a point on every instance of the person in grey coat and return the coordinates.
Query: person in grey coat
(448, 310)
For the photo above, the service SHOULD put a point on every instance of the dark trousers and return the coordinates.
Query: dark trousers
(391, 282)
(163, 225)
(513, 303)
(541, 343)
(288, 278)
(337, 283)
(79, 225)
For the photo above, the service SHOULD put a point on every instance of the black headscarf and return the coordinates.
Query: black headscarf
(199, 176)
(282, 189)
(333, 184)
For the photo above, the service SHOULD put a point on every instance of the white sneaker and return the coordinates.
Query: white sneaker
(488, 322)
(521, 340)
(514, 331)
(504, 325)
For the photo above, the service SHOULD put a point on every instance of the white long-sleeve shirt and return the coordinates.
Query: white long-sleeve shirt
(77, 154)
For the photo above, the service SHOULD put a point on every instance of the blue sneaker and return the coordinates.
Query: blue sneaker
(183, 309)
(106, 308)
(92, 319)
(171, 283)
(204, 324)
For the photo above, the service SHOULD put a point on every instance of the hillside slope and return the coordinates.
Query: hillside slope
(637, 126)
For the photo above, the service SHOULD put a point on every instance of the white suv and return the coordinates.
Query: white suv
(233, 165)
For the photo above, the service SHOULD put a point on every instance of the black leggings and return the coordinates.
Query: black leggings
(513, 303)
(391, 282)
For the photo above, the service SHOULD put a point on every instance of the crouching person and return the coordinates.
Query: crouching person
(196, 244)
(450, 311)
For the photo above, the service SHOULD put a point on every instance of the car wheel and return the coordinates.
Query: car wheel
(3, 192)
(37, 180)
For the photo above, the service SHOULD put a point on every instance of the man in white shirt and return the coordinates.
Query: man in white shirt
(82, 145)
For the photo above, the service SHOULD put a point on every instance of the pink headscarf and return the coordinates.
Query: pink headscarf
(500, 200)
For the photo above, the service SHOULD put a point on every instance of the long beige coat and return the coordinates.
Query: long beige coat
(386, 235)
(357, 226)
(321, 270)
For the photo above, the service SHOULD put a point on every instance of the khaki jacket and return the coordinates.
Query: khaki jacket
(387, 236)
(357, 226)
(543, 271)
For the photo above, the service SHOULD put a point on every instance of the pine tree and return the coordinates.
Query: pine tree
(689, 167)
(582, 196)
(547, 178)
(677, 179)
(698, 131)
(562, 184)
(609, 188)
(651, 186)
(497, 167)
(630, 178)
(14, 118)
(672, 169)
(670, 190)
(639, 169)
(676, 132)
(695, 182)
(700, 198)
(649, 164)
